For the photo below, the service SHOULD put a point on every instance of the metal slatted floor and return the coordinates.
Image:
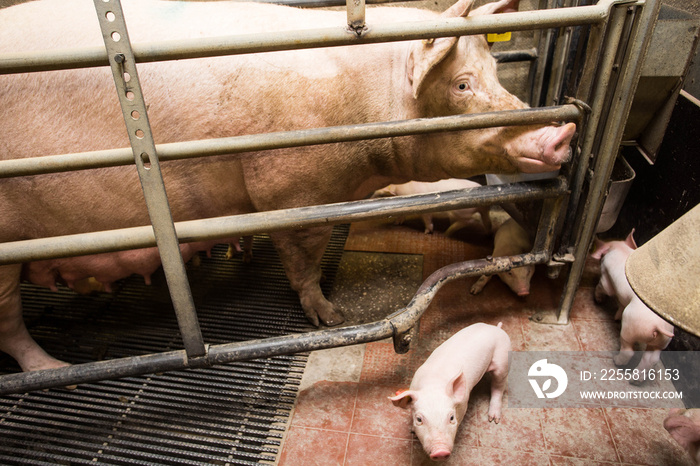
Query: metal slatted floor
(234, 414)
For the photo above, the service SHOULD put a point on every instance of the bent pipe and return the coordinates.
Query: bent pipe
(270, 221)
(393, 325)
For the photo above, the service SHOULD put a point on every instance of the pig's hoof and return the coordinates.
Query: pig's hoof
(495, 418)
(332, 318)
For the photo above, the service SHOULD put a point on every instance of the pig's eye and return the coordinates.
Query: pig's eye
(452, 418)
(463, 86)
(419, 420)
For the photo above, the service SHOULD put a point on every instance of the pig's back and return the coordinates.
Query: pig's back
(471, 349)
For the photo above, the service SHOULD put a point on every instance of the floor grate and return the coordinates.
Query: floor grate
(233, 414)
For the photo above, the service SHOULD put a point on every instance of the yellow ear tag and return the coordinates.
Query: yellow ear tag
(504, 37)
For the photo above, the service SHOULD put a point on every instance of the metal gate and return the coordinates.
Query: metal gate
(619, 32)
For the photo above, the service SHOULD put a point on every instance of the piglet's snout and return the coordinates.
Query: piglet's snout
(440, 454)
(557, 139)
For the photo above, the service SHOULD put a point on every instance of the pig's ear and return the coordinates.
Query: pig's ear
(630, 240)
(504, 6)
(600, 248)
(403, 399)
(457, 387)
(428, 53)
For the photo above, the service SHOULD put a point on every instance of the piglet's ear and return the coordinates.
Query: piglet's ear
(504, 6)
(601, 247)
(403, 399)
(457, 387)
(427, 54)
(630, 240)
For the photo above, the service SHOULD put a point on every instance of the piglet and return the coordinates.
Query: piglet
(684, 427)
(440, 388)
(511, 239)
(639, 323)
(459, 218)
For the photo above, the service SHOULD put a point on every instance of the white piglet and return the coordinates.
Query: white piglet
(459, 218)
(439, 392)
(639, 323)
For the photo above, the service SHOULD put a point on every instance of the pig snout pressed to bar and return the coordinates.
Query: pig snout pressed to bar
(556, 149)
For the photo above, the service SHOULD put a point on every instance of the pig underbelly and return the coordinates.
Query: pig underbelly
(106, 268)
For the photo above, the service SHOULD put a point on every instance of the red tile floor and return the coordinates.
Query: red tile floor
(348, 420)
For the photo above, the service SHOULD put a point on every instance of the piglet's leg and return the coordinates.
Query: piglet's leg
(301, 252)
(626, 352)
(480, 284)
(15, 340)
(499, 375)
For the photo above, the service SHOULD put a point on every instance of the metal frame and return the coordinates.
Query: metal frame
(398, 325)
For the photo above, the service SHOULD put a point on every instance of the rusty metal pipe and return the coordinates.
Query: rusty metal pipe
(398, 322)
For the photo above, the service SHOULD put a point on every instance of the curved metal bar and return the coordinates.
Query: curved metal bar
(395, 324)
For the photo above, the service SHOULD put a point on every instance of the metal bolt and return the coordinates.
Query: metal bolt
(119, 58)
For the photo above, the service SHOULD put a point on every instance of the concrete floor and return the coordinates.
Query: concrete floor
(343, 417)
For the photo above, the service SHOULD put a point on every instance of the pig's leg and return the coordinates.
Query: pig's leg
(233, 248)
(626, 352)
(499, 375)
(649, 360)
(600, 293)
(427, 223)
(486, 218)
(15, 340)
(480, 284)
(247, 249)
(301, 252)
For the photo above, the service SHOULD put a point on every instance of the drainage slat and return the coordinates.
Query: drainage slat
(232, 414)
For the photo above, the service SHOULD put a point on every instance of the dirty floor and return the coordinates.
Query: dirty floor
(343, 417)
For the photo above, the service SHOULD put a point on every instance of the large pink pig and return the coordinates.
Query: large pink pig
(684, 427)
(439, 392)
(639, 323)
(77, 110)
(459, 218)
(510, 239)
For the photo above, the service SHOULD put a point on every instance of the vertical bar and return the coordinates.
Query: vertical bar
(604, 65)
(123, 65)
(611, 140)
(356, 15)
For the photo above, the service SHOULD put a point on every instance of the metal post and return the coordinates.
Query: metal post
(611, 139)
(123, 64)
(356, 16)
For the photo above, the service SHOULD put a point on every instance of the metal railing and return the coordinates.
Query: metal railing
(584, 203)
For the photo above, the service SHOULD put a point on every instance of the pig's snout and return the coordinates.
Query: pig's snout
(523, 293)
(556, 147)
(440, 454)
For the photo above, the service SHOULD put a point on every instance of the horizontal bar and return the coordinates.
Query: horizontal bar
(511, 56)
(398, 322)
(301, 217)
(87, 57)
(285, 139)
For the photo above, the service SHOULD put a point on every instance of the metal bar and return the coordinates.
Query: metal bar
(301, 217)
(87, 57)
(611, 139)
(593, 123)
(511, 56)
(285, 139)
(397, 323)
(133, 105)
(356, 16)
